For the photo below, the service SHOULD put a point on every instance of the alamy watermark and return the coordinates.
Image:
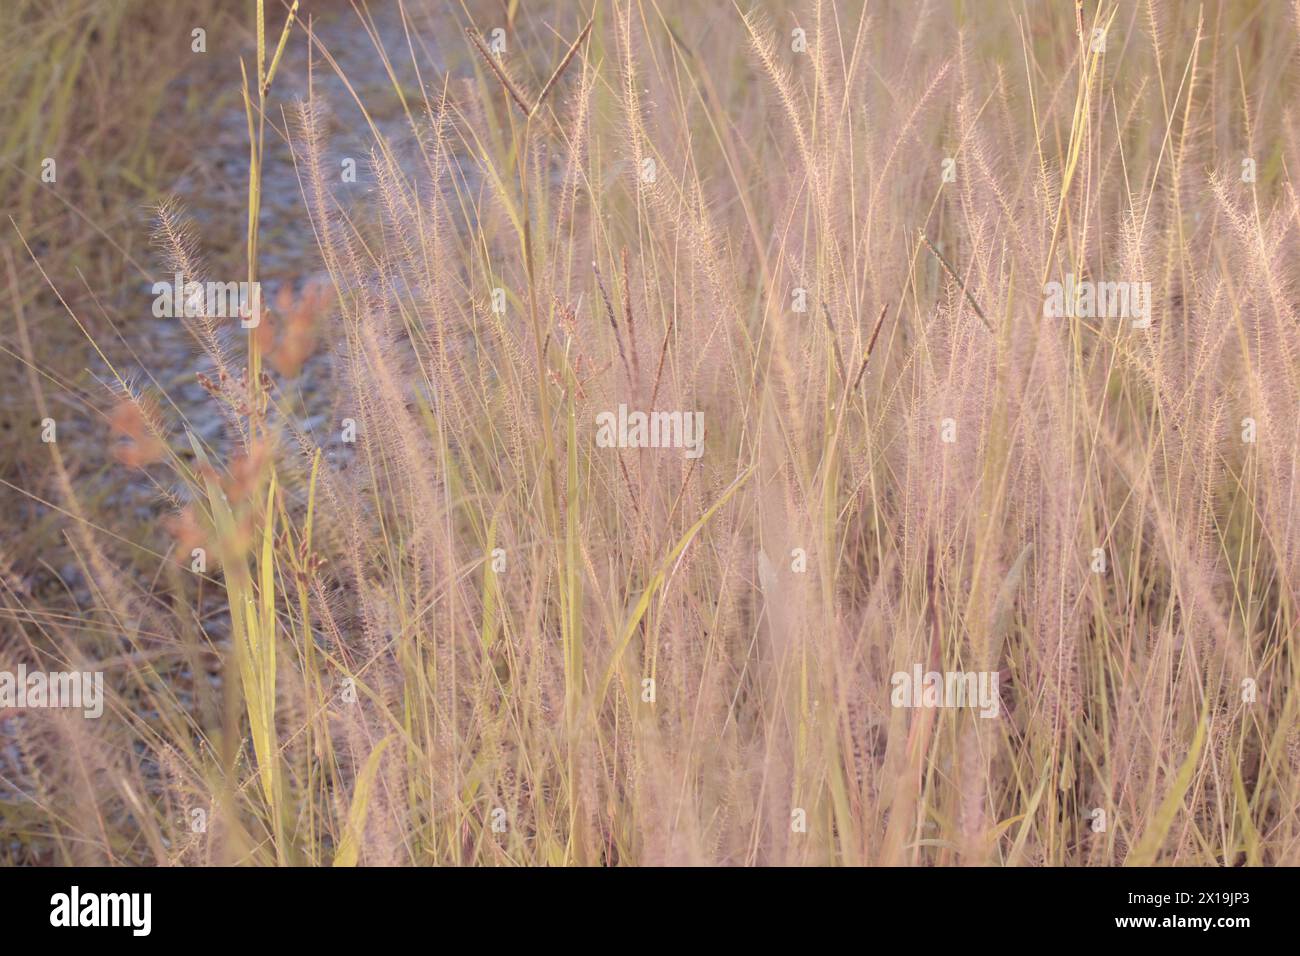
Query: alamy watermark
(81, 690)
(947, 689)
(1085, 299)
(75, 908)
(217, 300)
(651, 430)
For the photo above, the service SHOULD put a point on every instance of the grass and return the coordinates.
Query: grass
(473, 636)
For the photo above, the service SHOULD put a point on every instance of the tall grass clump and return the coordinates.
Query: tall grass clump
(440, 622)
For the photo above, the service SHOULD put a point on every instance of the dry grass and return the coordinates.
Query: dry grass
(431, 645)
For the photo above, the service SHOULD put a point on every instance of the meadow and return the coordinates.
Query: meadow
(367, 582)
